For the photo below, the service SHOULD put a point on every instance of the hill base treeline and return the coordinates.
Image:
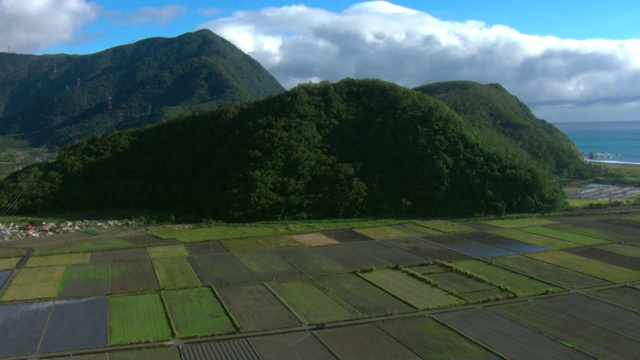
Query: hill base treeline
(355, 148)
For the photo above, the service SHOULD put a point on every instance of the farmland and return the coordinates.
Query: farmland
(196, 312)
(137, 318)
(389, 289)
(410, 289)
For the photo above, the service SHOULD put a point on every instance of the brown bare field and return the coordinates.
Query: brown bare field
(581, 334)
(432, 340)
(628, 262)
(143, 239)
(206, 248)
(507, 337)
(298, 345)
(427, 249)
(255, 308)
(314, 239)
(345, 236)
(364, 342)
(118, 255)
(228, 350)
(598, 312)
(348, 257)
(131, 277)
(626, 296)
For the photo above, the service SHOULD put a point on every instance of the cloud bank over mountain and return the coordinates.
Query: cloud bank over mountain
(563, 79)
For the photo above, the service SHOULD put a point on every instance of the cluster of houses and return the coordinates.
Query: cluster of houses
(13, 231)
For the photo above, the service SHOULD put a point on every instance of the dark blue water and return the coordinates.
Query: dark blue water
(618, 140)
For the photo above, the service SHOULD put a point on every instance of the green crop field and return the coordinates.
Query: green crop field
(58, 260)
(362, 295)
(587, 266)
(564, 235)
(551, 273)
(137, 318)
(35, 283)
(594, 233)
(86, 245)
(410, 289)
(9, 263)
(534, 239)
(516, 283)
(165, 251)
(267, 265)
(622, 249)
(175, 273)
(309, 303)
(196, 312)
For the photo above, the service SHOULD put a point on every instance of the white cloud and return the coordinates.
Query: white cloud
(26, 25)
(147, 15)
(382, 40)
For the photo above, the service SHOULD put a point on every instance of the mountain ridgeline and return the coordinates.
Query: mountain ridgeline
(58, 99)
(506, 121)
(353, 148)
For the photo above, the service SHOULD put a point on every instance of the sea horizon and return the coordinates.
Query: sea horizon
(613, 141)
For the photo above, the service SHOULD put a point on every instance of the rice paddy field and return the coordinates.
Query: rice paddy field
(427, 289)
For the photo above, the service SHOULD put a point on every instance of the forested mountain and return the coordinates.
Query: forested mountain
(354, 148)
(58, 99)
(503, 118)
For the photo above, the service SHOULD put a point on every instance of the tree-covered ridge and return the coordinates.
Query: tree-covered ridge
(354, 148)
(491, 109)
(57, 99)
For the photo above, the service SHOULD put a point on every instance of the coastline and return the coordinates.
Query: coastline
(613, 162)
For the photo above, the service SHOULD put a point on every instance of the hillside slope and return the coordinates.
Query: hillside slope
(57, 99)
(492, 110)
(358, 147)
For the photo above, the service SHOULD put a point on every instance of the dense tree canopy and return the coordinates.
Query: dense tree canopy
(57, 99)
(354, 148)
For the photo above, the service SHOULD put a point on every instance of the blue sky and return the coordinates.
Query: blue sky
(569, 60)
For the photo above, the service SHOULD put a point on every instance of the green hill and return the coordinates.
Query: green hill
(503, 118)
(58, 99)
(354, 148)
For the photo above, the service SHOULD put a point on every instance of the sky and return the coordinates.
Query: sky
(570, 61)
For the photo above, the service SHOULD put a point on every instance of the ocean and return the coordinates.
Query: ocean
(618, 141)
